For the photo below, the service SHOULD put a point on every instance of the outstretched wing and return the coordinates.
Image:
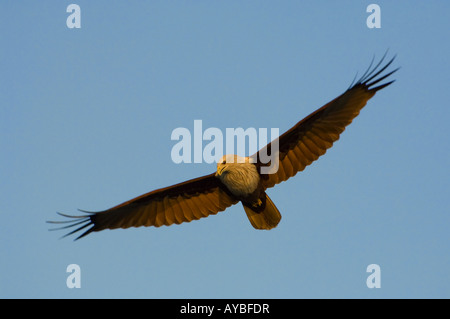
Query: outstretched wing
(175, 204)
(311, 137)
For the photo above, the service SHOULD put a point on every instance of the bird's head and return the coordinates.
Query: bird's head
(228, 161)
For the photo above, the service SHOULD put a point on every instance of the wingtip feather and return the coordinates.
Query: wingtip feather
(374, 75)
(84, 221)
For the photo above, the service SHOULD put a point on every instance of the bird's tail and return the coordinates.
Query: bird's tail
(268, 218)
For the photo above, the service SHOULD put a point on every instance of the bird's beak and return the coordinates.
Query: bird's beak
(220, 169)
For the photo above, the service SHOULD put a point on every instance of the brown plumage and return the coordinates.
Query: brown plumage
(234, 182)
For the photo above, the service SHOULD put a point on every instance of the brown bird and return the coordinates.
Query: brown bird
(240, 179)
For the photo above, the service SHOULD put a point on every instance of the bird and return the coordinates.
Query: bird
(241, 179)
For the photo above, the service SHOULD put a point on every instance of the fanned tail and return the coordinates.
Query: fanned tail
(268, 218)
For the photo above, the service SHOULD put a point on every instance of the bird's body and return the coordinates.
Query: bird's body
(243, 179)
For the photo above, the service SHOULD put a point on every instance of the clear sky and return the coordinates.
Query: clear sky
(86, 121)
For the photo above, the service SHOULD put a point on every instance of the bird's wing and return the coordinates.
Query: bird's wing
(175, 204)
(312, 136)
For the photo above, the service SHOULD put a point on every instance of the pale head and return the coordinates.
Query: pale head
(238, 173)
(227, 160)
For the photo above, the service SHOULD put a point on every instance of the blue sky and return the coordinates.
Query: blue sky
(86, 120)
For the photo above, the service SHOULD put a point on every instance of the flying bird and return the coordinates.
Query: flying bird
(240, 179)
